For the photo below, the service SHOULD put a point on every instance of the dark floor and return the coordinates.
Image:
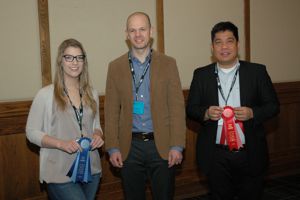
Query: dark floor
(282, 188)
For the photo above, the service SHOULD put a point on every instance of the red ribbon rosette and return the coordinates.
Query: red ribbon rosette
(229, 129)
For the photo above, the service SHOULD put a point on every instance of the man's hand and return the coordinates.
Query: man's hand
(213, 113)
(243, 113)
(175, 158)
(116, 159)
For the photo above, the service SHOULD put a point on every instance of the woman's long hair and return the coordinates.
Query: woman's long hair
(84, 84)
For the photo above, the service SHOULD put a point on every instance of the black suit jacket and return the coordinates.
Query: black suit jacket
(256, 92)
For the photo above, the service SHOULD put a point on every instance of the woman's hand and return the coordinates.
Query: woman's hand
(70, 146)
(97, 139)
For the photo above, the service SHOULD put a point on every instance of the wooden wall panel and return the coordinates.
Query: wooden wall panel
(19, 165)
(44, 42)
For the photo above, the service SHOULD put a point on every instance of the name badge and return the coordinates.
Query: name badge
(138, 107)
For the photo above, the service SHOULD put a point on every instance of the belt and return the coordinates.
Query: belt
(226, 148)
(143, 136)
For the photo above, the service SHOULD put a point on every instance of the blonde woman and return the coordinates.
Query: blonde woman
(60, 114)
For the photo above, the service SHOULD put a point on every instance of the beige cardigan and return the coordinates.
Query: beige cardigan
(54, 163)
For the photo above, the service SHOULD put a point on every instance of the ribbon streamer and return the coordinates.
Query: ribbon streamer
(80, 171)
(229, 129)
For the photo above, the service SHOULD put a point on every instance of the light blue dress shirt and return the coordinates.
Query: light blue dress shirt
(142, 122)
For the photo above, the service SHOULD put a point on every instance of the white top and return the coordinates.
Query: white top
(226, 78)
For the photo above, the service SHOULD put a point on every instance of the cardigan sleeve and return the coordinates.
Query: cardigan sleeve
(36, 127)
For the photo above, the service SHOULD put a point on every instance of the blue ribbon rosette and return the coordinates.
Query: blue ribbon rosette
(80, 171)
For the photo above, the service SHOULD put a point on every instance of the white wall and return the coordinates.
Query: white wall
(100, 26)
(275, 37)
(20, 65)
(187, 31)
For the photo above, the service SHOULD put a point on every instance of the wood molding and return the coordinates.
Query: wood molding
(13, 117)
(288, 93)
(247, 30)
(44, 42)
(160, 26)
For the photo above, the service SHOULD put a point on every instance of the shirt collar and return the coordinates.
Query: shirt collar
(227, 71)
(135, 60)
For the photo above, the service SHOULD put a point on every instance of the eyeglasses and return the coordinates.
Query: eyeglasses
(70, 58)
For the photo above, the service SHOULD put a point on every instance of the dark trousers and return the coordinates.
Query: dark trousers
(145, 163)
(230, 177)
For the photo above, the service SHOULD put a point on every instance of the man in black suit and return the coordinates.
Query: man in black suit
(231, 99)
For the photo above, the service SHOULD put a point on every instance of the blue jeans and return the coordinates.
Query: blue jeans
(74, 191)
